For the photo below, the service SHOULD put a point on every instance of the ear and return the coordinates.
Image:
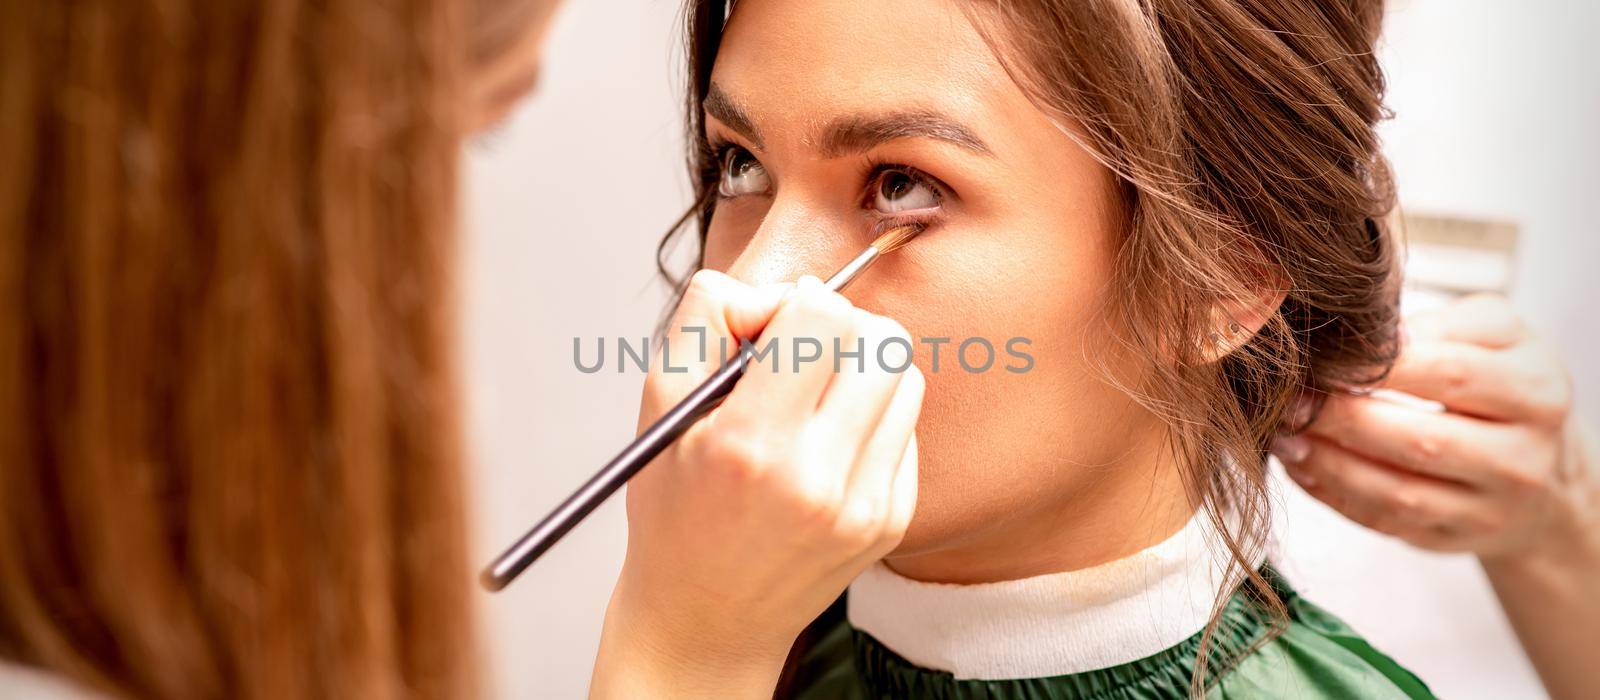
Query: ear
(1235, 321)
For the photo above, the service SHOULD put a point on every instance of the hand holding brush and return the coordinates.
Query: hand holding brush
(681, 417)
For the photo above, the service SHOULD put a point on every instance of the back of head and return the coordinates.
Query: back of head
(228, 444)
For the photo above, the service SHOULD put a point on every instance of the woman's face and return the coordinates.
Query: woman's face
(837, 117)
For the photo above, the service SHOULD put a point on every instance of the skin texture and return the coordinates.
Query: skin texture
(1504, 472)
(1021, 473)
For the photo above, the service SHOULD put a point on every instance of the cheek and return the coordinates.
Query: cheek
(997, 444)
(732, 227)
(720, 252)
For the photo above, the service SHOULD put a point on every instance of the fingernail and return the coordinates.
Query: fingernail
(1292, 449)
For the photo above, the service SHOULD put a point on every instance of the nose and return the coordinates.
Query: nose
(794, 239)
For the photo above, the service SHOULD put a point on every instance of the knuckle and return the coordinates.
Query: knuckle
(1381, 520)
(704, 286)
(1394, 522)
(882, 327)
(1400, 503)
(1331, 481)
(1425, 448)
(817, 509)
(858, 524)
(817, 310)
(1428, 518)
(1453, 373)
(1384, 518)
(895, 523)
(737, 453)
(825, 302)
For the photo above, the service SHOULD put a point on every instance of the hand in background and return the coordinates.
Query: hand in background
(1490, 474)
(1504, 471)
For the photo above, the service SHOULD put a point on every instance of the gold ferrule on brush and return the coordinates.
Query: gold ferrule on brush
(890, 241)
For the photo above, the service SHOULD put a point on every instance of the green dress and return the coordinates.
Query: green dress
(1315, 656)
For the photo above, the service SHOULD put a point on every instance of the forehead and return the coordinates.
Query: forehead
(796, 62)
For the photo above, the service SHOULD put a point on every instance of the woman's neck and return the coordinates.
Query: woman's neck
(1140, 501)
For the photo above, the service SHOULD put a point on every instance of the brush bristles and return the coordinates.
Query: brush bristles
(896, 237)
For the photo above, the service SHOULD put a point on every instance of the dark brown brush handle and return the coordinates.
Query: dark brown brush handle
(614, 474)
(654, 440)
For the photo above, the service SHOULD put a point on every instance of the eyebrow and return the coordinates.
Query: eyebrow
(858, 133)
(854, 133)
(728, 111)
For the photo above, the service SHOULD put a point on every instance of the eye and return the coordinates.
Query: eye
(742, 174)
(900, 189)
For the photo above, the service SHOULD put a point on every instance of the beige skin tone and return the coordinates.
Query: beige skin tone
(1506, 472)
(1021, 473)
(1521, 495)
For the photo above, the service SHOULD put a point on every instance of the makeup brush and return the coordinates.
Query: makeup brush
(660, 435)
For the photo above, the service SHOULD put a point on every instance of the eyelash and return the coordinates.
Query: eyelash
(876, 169)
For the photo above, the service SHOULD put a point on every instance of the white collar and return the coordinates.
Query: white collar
(1048, 625)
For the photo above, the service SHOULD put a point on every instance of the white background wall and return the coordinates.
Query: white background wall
(1497, 107)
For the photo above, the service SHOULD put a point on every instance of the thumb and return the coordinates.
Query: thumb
(715, 312)
(748, 314)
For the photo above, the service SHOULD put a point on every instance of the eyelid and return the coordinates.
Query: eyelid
(720, 148)
(879, 169)
(719, 139)
(720, 153)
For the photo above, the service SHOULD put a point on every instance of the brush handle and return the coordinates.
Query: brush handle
(653, 441)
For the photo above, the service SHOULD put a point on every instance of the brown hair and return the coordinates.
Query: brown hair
(229, 460)
(1242, 134)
